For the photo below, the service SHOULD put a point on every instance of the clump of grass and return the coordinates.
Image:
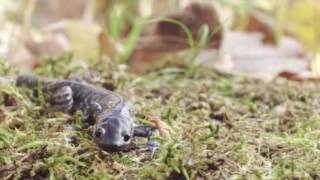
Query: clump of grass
(221, 127)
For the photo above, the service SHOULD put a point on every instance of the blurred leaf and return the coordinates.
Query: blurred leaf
(303, 21)
(253, 58)
(189, 28)
(47, 45)
(315, 64)
(84, 39)
(300, 77)
(263, 23)
(48, 12)
(106, 47)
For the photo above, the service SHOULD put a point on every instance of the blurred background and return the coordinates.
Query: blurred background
(263, 39)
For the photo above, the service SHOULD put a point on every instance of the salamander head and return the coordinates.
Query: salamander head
(115, 131)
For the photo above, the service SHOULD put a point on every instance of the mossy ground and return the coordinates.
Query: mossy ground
(221, 127)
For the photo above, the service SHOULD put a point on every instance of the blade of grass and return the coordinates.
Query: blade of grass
(281, 16)
(184, 28)
(213, 134)
(185, 173)
(65, 159)
(34, 144)
(132, 38)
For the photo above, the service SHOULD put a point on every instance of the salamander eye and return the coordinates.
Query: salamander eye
(99, 132)
(126, 138)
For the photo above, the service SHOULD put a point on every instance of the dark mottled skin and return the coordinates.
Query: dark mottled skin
(112, 114)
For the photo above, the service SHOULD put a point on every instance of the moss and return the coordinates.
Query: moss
(221, 127)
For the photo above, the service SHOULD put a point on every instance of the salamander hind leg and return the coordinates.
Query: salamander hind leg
(94, 109)
(91, 111)
(61, 98)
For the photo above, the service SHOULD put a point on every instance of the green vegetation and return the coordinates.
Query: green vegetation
(220, 127)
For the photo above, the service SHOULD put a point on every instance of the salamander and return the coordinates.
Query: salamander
(113, 118)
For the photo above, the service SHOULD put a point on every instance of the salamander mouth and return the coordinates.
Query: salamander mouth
(114, 148)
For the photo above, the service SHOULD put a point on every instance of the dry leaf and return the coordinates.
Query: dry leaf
(315, 64)
(106, 47)
(253, 58)
(219, 60)
(48, 11)
(300, 77)
(264, 23)
(51, 45)
(84, 39)
(23, 59)
(162, 38)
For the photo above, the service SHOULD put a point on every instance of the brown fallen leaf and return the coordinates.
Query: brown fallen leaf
(23, 59)
(48, 11)
(259, 21)
(264, 23)
(52, 45)
(106, 47)
(159, 124)
(51, 28)
(83, 37)
(28, 53)
(253, 58)
(163, 37)
(219, 60)
(302, 77)
(87, 40)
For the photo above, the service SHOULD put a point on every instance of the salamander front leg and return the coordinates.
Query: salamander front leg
(61, 99)
(144, 131)
(152, 146)
(147, 131)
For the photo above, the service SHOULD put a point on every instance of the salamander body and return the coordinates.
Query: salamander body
(113, 116)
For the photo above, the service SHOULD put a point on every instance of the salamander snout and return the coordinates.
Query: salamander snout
(113, 134)
(100, 132)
